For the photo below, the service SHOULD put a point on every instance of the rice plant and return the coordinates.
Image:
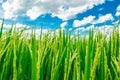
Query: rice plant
(59, 56)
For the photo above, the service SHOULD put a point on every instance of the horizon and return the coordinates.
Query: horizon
(77, 15)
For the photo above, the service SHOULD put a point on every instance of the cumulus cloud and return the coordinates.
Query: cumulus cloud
(90, 27)
(17, 26)
(106, 29)
(104, 18)
(37, 32)
(63, 24)
(34, 8)
(76, 23)
(83, 22)
(118, 11)
(1, 1)
(35, 12)
(1, 12)
(80, 29)
(91, 19)
(14, 8)
(0, 22)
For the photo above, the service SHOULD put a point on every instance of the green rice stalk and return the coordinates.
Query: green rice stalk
(1, 29)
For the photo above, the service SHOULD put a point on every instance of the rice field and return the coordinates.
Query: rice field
(59, 56)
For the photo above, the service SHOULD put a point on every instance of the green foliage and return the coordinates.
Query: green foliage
(59, 56)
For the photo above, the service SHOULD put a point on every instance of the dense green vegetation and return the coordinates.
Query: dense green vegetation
(59, 56)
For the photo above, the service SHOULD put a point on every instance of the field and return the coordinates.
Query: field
(59, 56)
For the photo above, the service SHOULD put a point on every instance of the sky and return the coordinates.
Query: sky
(76, 15)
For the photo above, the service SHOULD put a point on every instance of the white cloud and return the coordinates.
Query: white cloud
(118, 11)
(83, 22)
(90, 27)
(91, 19)
(104, 18)
(17, 25)
(80, 29)
(106, 29)
(38, 32)
(35, 12)
(63, 24)
(27, 31)
(118, 8)
(76, 23)
(101, 9)
(1, 1)
(60, 8)
(7, 26)
(1, 13)
(14, 8)
(0, 22)
(70, 29)
(117, 14)
(116, 22)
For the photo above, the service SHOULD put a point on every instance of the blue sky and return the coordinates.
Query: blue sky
(77, 15)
